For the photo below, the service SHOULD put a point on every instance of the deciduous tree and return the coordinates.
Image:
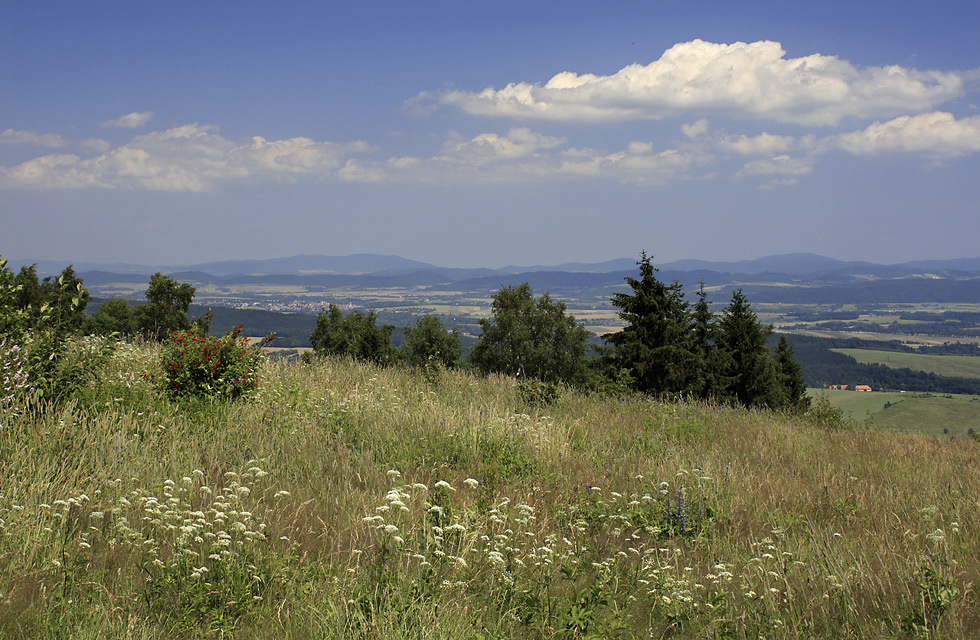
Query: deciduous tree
(535, 339)
(114, 316)
(166, 307)
(355, 335)
(428, 341)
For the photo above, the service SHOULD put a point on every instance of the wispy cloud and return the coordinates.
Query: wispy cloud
(187, 158)
(195, 157)
(133, 120)
(523, 156)
(49, 140)
(753, 80)
(783, 165)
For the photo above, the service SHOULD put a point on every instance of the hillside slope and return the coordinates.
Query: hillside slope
(347, 501)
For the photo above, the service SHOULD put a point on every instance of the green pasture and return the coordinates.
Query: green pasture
(958, 366)
(950, 415)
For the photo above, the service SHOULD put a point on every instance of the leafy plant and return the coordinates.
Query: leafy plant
(535, 393)
(203, 365)
(937, 596)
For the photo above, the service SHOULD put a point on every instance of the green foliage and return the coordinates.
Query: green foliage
(355, 335)
(115, 316)
(754, 382)
(14, 319)
(656, 345)
(936, 595)
(14, 384)
(42, 318)
(533, 339)
(667, 349)
(206, 366)
(827, 416)
(710, 362)
(429, 343)
(166, 309)
(535, 393)
(791, 377)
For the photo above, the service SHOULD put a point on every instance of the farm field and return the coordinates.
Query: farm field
(949, 415)
(961, 366)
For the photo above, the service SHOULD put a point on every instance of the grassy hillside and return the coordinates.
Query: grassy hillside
(346, 501)
(958, 366)
(938, 415)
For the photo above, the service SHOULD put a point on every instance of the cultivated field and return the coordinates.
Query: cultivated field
(938, 415)
(960, 366)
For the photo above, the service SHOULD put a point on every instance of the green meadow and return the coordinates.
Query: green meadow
(960, 366)
(342, 500)
(937, 415)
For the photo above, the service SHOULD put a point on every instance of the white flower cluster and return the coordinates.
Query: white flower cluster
(13, 375)
(189, 527)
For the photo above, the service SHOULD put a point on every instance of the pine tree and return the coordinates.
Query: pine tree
(793, 383)
(656, 345)
(742, 338)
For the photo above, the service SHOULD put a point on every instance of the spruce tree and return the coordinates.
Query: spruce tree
(710, 362)
(793, 383)
(655, 347)
(753, 379)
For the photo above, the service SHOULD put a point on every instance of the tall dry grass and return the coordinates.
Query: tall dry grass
(360, 502)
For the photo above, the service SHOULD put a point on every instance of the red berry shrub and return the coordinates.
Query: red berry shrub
(203, 365)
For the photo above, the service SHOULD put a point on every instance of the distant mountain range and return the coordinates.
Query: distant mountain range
(792, 264)
(801, 278)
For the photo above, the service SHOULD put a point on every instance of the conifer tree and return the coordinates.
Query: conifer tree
(793, 382)
(656, 346)
(743, 339)
(711, 362)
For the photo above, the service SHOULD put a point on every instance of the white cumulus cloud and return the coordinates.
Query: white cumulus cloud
(185, 158)
(523, 156)
(751, 80)
(132, 120)
(936, 134)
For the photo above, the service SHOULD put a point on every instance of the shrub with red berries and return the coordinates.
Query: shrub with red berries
(201, 365)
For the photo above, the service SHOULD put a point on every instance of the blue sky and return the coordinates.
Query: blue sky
(486, 134)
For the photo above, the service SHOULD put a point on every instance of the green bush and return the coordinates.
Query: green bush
(205, 366)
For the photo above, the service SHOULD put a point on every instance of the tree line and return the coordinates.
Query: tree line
(164, 312)
(825, 367)
(669, 347)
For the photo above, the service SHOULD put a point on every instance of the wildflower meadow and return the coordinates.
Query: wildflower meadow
(340, 499)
